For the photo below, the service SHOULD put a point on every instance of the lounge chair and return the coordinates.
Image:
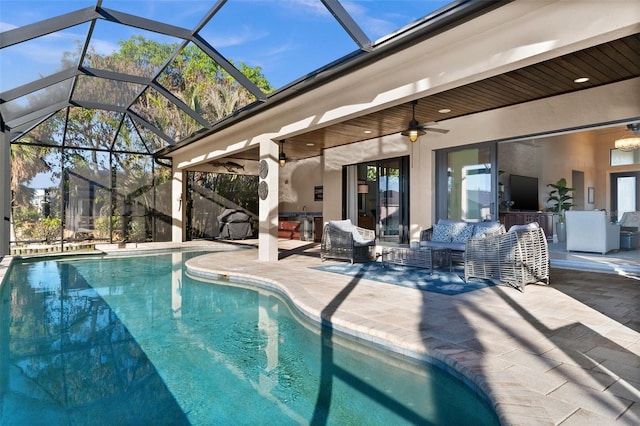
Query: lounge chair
(517, 257)
(341, 239)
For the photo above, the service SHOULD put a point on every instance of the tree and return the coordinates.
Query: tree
(88, 137)
(26, 162)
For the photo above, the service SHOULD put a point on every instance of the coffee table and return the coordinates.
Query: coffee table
(424, 257)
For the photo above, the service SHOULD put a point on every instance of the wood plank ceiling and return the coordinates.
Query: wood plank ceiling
(604, 64)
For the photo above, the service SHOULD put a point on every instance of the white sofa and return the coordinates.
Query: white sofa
(591, 231)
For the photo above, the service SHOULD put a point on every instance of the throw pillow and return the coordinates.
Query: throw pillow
(461, 232)
(441, 233)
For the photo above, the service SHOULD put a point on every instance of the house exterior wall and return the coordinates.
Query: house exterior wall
(515, 35)
(563, 154)
(512, 36)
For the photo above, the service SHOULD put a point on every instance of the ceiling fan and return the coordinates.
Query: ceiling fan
(415, 129)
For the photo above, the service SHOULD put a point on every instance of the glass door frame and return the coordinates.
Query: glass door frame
(403, 200)
(615, 216)
(350, 207)
(442, 179)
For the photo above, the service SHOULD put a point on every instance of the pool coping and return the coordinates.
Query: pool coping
(5, 264)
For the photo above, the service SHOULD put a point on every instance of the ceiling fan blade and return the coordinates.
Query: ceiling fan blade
(429, 123)
(433, 129)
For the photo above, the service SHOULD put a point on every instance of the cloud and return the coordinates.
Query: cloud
(104, 47)
(43, 55)
(242, 35)
(306, 6)
(276, 50)
(5, 26)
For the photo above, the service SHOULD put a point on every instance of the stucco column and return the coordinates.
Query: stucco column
(268, 196)
(178, 199)
(5, 193)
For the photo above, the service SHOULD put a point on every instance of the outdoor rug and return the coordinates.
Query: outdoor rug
(441, 281)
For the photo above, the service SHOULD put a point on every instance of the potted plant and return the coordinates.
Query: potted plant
(561, 196)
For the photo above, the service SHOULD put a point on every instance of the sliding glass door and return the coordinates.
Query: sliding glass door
(625, 193)
(466, 182)
(393, 200)
(377, 194)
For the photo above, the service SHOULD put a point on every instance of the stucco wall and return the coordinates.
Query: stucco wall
(297, 182)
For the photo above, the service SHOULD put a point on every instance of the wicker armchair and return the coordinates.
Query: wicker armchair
(341, 239)
(518, 257)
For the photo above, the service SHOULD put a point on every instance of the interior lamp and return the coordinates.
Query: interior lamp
(414, 131)
(282, 157)
(363, 188)
(630, 143)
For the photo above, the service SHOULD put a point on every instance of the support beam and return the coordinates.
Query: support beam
(5, 193)
(268, 207)
(348, 24)
(178, 202)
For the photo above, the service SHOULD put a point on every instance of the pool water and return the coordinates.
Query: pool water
(135, 341)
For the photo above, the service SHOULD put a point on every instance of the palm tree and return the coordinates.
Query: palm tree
(26, 162)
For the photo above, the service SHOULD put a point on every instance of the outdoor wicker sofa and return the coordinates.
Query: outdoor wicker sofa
(341, 239)
(517, 257)
(453, 235)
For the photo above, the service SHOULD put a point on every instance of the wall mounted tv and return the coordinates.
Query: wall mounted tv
(524, 192)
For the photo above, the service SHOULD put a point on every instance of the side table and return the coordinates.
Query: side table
(629, 240)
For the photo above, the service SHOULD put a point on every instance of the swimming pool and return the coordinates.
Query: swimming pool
(113, 340)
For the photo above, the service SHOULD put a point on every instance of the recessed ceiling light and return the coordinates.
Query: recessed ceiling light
(444, 110)
(367, 132)
(310, 144)
(581, 80)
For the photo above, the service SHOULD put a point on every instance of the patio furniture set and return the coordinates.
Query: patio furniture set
(517, 257)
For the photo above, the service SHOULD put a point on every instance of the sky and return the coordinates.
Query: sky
(286, 38)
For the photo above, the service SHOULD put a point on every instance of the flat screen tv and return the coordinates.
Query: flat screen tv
(524, 192)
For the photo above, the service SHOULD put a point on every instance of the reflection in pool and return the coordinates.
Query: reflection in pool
(134, 340)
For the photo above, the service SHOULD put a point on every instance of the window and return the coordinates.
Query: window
(624, 158)
(466, 184)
